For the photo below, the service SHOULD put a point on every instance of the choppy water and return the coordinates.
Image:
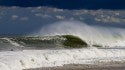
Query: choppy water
(102, 30)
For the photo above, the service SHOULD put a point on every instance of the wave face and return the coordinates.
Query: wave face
(54, 36)
(42, 42)
(93, 35)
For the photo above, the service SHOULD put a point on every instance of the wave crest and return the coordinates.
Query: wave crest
(104, 36)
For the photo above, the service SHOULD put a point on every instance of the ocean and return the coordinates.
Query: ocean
(35, 37)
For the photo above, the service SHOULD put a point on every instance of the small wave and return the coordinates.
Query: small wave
(6, 44)
(12, 42)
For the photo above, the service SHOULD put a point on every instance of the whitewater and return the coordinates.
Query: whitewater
(18, 54)
(111, 40)
(26, 59)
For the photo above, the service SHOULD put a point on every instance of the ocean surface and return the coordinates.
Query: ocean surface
(33, 37)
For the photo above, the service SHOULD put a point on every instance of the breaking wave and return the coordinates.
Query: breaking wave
(64, 34)
(93, 35)
(42, 42)
(67, 34)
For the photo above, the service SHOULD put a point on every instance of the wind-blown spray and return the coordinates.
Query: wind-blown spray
(93, 35)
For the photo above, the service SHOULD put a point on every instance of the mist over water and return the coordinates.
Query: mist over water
(104, 36)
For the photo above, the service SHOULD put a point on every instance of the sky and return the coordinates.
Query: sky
(67, 4)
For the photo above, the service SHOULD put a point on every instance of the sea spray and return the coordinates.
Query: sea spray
(93, 35)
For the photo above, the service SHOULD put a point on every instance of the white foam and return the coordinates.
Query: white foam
(18, 60)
